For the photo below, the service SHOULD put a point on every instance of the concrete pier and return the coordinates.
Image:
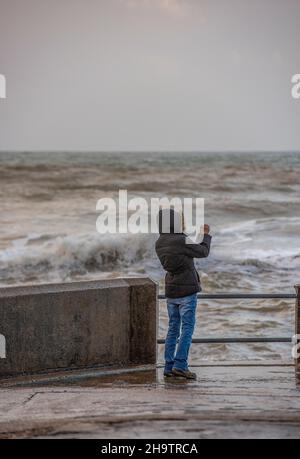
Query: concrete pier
(78, 325)
(80, 363)
(229, 400)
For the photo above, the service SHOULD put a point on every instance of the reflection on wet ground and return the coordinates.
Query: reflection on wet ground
(101, 377)
(142, 376)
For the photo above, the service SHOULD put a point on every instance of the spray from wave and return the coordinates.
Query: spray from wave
(248, 255)
(61, 257)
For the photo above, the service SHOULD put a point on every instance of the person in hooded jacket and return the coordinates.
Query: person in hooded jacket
(182, 284)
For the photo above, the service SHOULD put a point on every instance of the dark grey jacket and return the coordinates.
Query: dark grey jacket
(177, 258)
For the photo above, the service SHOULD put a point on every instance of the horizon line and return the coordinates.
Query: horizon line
(149, 151)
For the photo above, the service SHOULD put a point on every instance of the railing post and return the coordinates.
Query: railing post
(297, 331)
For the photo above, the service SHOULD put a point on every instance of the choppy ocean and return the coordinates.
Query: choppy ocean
(252, 202)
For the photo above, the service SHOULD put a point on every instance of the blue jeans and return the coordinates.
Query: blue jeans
(182, 319)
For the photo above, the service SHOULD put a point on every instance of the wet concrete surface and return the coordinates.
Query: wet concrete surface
(238, 400)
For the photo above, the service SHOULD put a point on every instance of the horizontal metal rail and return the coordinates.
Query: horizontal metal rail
(235, 340)
(243, 296)
(240, 296)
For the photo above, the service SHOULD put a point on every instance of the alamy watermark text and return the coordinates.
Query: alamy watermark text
(2, 347)
(140, 216)
(296, 86)
(2, 87)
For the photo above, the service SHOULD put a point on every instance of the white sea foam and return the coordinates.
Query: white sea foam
(41, 255)
(258, 244)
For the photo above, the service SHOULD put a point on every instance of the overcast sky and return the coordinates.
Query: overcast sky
(149, 74)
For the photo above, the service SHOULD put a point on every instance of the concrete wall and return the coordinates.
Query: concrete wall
(78, 325)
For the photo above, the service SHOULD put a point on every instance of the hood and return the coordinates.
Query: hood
(170, 222)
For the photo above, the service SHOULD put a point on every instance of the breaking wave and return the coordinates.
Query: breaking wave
(62, 257)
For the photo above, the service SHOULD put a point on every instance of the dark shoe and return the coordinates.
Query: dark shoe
(184, 374)
(168, 374)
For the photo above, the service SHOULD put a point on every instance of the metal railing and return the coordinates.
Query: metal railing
(240, 296)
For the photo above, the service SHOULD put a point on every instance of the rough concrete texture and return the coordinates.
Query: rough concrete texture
(228, 401)
(143, 321)
(78, 325)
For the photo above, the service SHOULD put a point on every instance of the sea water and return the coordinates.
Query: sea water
(252, 202)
